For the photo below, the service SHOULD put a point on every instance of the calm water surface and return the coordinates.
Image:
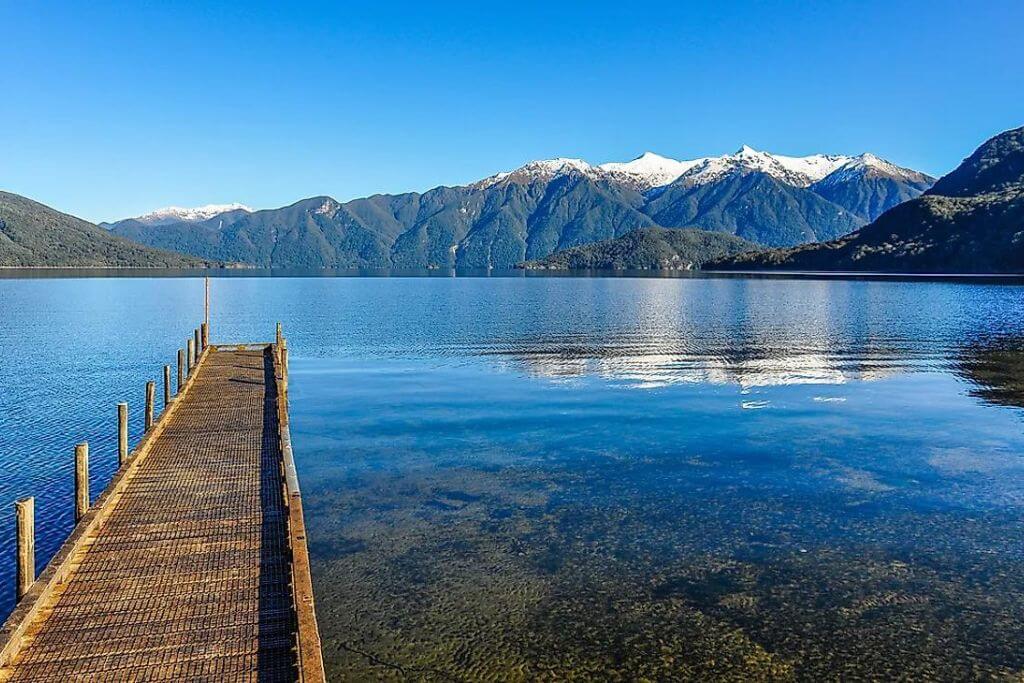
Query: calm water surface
(523, 478)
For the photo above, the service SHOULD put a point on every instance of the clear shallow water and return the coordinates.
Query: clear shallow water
(529, 477)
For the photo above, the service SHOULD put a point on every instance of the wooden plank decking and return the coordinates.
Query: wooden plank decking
(192, 566)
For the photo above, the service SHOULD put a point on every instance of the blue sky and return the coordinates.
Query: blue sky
(110, 110)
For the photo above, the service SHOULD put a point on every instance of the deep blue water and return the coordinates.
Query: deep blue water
(720, 455)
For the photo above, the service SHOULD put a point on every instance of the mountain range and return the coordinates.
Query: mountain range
(34, 235)
(970, 221)
(543, 207)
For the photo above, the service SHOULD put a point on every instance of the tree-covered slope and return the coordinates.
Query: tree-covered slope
(646, 249)
(475, 226)
(996, 166)
(931, 234)
(34, 235)
(754, 206)
(500, 224)
(868, 194)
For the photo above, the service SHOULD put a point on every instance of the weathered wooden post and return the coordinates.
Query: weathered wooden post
(167, 386)
(181, 368)
(198, 339)
(81, 480)
(279, 336)
(206, 312)
(150, 403)
(25, 516)
(205, 329)
(122, 433)
(190, 356)
(284, 368)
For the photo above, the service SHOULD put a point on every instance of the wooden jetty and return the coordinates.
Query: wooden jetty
(192, 565)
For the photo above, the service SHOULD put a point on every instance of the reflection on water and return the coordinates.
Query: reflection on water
(649, 371)
(997, 371)
(532, 478)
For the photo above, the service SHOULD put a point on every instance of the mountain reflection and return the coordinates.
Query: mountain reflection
(746, 367)
(996, 370)
(769, 334)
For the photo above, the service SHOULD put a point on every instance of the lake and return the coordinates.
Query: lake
(548, 477)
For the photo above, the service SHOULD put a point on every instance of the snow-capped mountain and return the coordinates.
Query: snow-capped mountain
(868, 186)
(544, 169)
(795, 171)
(649, 170)
(869, 165)
(178, 214)
(969, 221)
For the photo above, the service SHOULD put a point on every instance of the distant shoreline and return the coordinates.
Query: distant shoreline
(13, 272)
(178, 268)
(872, 273)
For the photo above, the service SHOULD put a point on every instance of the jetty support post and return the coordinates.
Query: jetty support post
(205, 335)
(284, 369)
(181, 368)
(122, 433)
(278, 340)
(25, 516)
(81, 480)
(167, 386)
(206, 311)
(190, 356)
(150, 403)
(198, 341)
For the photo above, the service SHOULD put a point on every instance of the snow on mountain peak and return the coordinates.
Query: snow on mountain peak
(868, 160)
(868, 163)
(544, 169)
(174, 214)
(649, 170)
(798, 171)
(327, 206)
(559, 165)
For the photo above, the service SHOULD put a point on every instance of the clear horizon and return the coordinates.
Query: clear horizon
(113, 112)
